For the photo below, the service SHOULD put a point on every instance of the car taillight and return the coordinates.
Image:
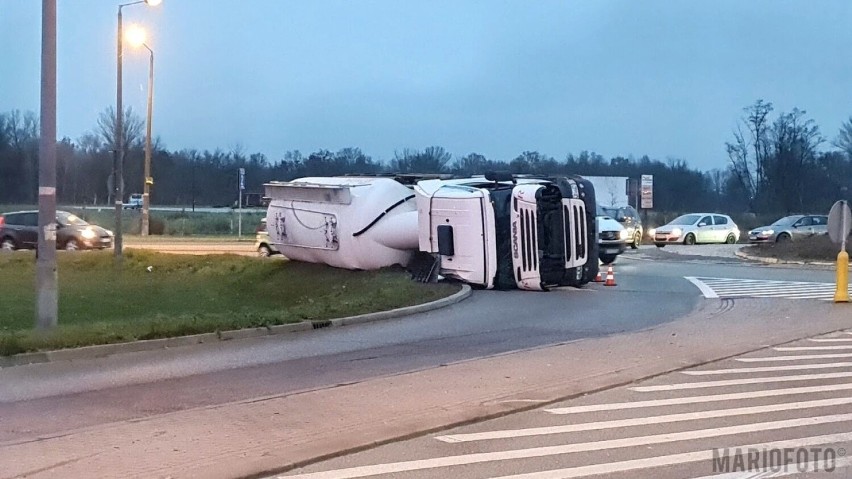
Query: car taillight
(2, 220)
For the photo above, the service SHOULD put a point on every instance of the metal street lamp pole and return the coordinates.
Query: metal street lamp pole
(146, 194)
(118, 156)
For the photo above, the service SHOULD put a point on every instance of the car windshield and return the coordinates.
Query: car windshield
(685, 220)
(786, 221)
(69, 219)
(605, 211)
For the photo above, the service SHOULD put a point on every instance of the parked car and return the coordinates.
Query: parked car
(629, 218)
(612, 237)
(789, 228)
(698, 228)
(19, 230)
(262, 245)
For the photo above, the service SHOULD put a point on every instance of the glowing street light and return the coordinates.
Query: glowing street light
(118, 154)
(136, 37)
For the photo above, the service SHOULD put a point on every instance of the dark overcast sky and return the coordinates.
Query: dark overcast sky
(663, 78)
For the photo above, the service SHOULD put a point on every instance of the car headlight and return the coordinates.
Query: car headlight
(109, 232)
(767, 233)
(623, 234)
(652, 231)
(88, 233)
(676, 232)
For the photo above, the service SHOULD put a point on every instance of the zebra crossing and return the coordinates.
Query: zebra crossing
(688, 424)
(726, 288)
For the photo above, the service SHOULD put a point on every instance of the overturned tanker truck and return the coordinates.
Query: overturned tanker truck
(494, 231)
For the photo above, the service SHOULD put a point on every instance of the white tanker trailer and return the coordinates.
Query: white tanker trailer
(494, 231)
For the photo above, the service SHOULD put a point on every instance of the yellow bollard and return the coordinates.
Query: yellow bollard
(841, 294)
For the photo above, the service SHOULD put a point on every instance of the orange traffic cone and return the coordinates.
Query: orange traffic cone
(599, 278)
(610, 277)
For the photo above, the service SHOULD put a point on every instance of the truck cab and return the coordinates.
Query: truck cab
(526, 233)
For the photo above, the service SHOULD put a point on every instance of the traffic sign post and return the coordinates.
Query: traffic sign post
(242, 186)
(647, 191)
(839, 224)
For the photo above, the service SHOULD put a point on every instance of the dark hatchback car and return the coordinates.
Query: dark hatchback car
(19, 230)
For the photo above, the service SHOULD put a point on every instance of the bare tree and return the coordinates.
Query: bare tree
(431, 160)
(749, 151)
(132, 125)
(471, 164)
(794, 140)
(844, 138)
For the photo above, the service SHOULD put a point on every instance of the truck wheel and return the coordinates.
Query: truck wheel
(263, 251)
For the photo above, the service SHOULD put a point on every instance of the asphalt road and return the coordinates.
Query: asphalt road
(779, 412)
(46, 398)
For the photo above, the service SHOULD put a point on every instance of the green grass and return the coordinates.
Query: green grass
(815, 248)
(167, 223)
(100, 304)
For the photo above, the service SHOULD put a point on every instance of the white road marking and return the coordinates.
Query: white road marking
(791, 470)
(767, 369)
(830, 340)
(700, 399)
(477, 458)
(794, 358)
(673, 459)
(761, 288)
(668, 418)
(740, 382)
(707, 291)
(813, 348)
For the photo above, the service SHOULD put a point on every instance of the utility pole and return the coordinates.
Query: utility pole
(118, 156)
(47, 296)
(146, 195)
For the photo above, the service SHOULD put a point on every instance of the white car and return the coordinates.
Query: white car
(612, 237)
(697, 228)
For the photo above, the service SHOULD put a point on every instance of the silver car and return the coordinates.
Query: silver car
(790, 227)
(697, 228)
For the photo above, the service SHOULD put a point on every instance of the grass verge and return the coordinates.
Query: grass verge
(815, 248)
(100, 303)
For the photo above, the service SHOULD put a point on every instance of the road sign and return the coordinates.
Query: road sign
(647, 191)
(839, 222)
(242, 178)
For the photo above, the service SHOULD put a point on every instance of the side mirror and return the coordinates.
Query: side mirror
(702, 224)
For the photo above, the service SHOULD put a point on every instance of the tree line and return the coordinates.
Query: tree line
(774, 165)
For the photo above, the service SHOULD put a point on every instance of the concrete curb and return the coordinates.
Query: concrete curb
(90, 352)
(761, 259)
